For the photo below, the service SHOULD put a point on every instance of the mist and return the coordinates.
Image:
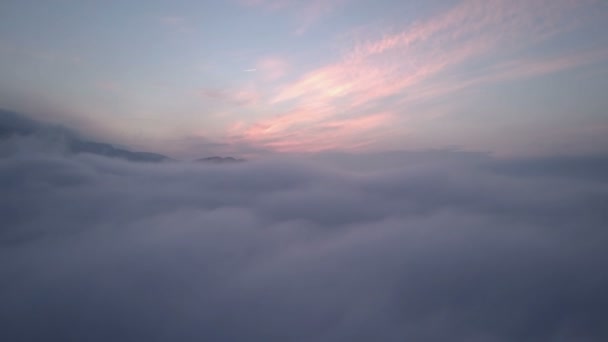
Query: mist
(430, 246)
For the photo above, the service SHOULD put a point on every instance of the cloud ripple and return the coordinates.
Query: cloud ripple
(431, 249)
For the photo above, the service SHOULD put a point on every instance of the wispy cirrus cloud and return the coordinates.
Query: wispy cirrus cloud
(313, 129)
(293, 132)
(469, 44)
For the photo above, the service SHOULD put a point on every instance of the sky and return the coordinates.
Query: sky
(413, 170)
(251, 77)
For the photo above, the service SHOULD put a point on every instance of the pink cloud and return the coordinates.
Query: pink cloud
(293, 120)
(311, 128)
(396, 62)
(350, 133)
(335, 104)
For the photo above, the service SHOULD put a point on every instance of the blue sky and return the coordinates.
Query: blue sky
(244, 76)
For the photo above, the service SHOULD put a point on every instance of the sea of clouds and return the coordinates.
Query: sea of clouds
(421, 247)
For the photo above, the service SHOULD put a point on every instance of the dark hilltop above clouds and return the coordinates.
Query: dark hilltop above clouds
(65, 140)
(13, 124)
(220, 160)
(107, 150)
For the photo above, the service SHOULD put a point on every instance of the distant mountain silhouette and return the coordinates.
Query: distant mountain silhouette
(220, 160)
(107, 150)
(12, 124)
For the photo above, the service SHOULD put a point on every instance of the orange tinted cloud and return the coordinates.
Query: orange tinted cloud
(305, 132)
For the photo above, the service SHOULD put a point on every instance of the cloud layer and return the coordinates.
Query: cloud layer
(437, 247)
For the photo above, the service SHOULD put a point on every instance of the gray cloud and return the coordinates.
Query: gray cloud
(450, 248)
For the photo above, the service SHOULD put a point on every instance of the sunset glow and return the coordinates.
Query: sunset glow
(299, 76)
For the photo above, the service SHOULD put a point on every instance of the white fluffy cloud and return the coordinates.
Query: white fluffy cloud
(448, 248)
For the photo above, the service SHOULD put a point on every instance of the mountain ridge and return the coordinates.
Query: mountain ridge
(15, 124)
